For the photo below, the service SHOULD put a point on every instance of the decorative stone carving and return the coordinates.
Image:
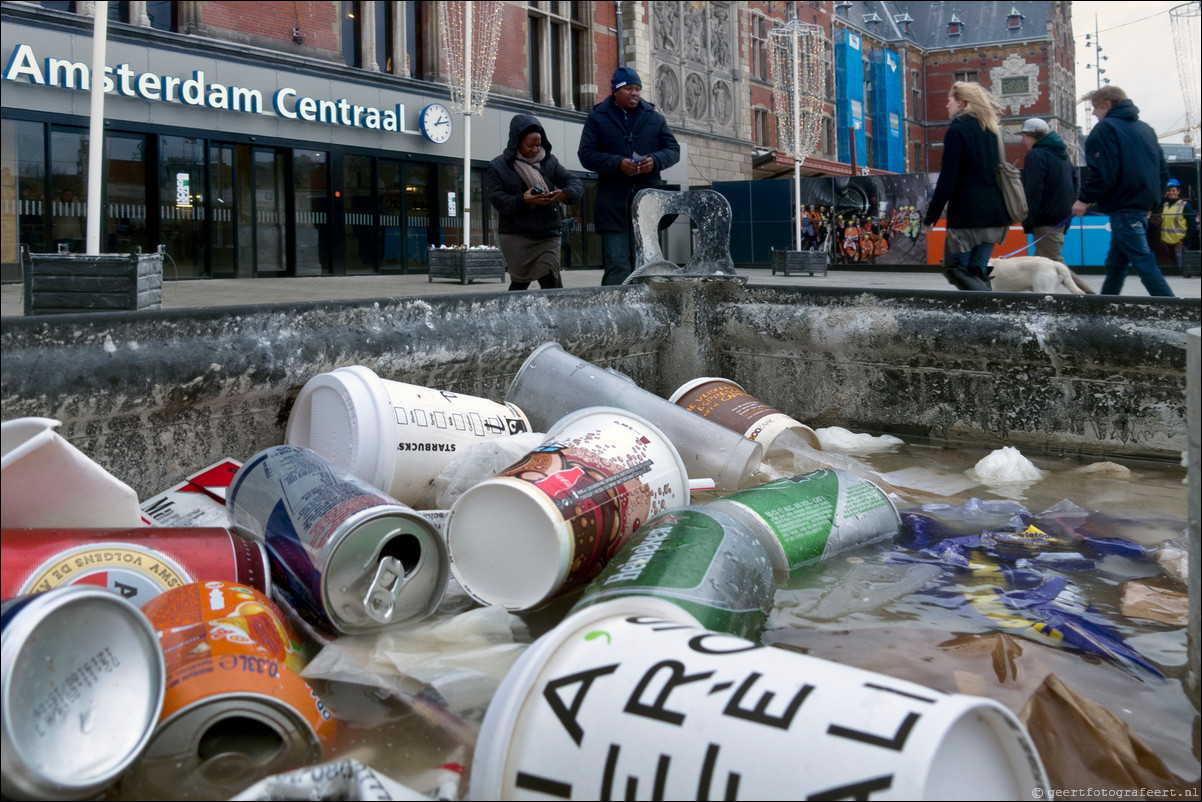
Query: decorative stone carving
(694, 33)
(720, 49)
(667, 90)
(722, 103)
(1015, 83)
(695, 101)
(667, 26)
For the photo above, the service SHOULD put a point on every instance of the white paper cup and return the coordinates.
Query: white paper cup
(395, 436)
(727, 404)
(553, 519)
(628, 701)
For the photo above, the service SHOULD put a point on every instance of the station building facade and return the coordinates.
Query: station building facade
(256, 139)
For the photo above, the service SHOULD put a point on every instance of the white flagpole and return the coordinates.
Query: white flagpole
(96, 125)
(467, 125)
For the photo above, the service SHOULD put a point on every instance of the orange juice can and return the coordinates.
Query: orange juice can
(236, 709)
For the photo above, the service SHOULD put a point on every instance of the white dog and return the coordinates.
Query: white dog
(1035, 274)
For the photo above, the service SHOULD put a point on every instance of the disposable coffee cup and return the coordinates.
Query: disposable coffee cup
(552, 383)
(729, 405)
(628, 701)
(393, 435)
(552, 520)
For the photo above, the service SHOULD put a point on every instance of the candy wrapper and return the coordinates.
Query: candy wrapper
(1014, 575)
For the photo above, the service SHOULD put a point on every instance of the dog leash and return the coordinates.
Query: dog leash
(1032, 244)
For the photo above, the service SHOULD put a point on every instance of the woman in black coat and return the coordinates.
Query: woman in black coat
(976, 211)
(527, 184)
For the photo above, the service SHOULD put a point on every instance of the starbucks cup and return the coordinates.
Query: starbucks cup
(727, 404)
(631, 699)
(552, 383)
(553, 519)
(395, 436)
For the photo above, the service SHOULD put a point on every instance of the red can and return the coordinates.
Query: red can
(137, 563)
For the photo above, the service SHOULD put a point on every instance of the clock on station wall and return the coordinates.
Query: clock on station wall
(435, 123)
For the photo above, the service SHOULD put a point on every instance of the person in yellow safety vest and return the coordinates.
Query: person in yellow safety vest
(1176, 222)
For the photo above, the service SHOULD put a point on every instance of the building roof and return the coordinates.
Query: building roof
(929, 25)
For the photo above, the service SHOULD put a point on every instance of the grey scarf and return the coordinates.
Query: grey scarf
(527, 169)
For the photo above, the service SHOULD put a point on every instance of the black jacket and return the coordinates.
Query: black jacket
(610, 135)
(1050, 182)
(1127, 169)
(967, 185)
(506, 187)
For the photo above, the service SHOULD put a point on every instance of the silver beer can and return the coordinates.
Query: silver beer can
(82, 689)
(344, 554)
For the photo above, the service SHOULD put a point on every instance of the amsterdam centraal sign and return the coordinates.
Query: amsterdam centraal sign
(434, 121)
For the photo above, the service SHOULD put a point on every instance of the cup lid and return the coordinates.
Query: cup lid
(346, 416)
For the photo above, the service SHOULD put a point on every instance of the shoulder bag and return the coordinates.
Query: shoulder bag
(1010, 181)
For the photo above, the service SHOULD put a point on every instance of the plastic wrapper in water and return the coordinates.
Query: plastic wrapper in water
(1015, 577)
(463, 657)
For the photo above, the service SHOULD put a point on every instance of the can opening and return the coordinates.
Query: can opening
(250, 741)
(405, 549)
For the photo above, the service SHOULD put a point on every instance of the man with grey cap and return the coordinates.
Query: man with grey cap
(626, 142)
(1050, 182)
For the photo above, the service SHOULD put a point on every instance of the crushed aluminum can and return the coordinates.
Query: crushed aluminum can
(82, 688)
(345, 555)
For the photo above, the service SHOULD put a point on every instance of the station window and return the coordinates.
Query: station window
(557, 53)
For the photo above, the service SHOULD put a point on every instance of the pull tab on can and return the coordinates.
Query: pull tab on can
(385, 588)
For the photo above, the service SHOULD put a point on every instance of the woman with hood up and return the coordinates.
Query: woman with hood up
(526, 184)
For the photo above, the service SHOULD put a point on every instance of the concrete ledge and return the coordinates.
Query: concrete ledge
(154, 395)
(1082, 374)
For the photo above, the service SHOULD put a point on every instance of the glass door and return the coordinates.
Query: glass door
(223, 251)
(270, 215)
(417, 217)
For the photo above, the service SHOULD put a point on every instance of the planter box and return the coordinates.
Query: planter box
(466, 266)
(793, 263)
(59, 283)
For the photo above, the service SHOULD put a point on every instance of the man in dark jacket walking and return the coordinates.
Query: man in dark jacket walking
(626, 142)
(1127, 170)
(1050, 183)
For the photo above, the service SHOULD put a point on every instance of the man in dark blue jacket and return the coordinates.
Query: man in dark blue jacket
(626, 142)
(1127, 170)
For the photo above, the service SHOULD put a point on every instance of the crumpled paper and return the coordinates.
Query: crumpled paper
(1084, 745)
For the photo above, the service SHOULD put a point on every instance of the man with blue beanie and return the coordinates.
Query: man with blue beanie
(626, 142)
(1126, 171)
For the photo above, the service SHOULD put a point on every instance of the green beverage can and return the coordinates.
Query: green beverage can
(810, 518)
(704, 561)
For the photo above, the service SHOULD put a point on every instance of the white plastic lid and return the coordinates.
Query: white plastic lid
(509, 545)
(346, 416)
(690, 385)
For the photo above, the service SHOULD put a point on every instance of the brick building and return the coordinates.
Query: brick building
(285, 138)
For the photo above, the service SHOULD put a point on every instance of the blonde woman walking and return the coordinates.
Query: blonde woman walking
(976, 211)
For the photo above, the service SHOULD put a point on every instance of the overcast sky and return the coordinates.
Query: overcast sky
(1137, 39)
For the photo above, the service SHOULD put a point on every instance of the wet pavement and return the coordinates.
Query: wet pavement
(234, 292)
